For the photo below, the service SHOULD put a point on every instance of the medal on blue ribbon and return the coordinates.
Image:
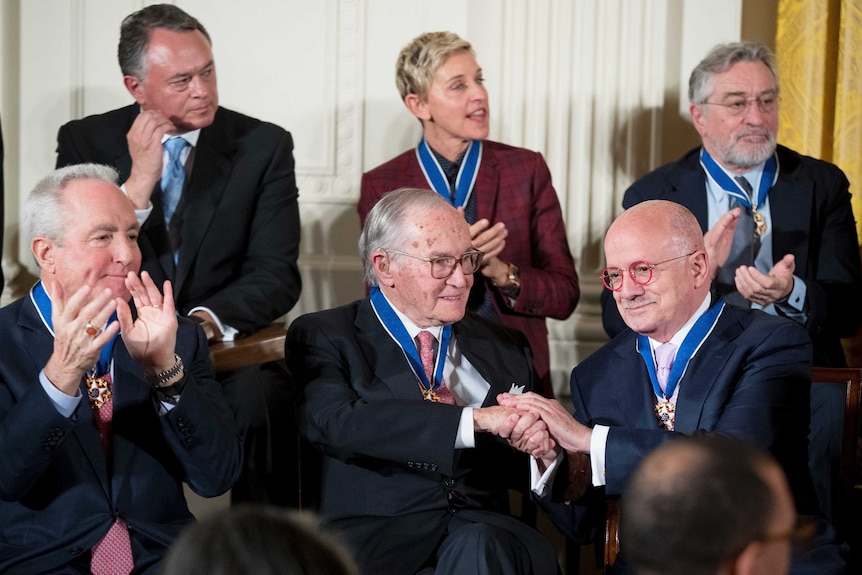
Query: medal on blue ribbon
(665, 410)
(396, 329)
(732, 187)
(466, 174)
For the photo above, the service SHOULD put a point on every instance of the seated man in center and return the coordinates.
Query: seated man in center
(414, 478)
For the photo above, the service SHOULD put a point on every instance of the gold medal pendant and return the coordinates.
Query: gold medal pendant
(430, 395)
(759, 224)
(97, 391)
(666, 412)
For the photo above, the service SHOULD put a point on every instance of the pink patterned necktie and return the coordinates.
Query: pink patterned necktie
(426, 353)
(113, 554)
(664, 356)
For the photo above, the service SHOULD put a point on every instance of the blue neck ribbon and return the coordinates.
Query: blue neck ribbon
(466, 174)
(699, 332)
(732, 187)
(42, 301)
(393, 325)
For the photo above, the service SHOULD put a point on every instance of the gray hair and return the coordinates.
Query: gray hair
(43, 209)
(418, 61)
(720, 59)
(384, 224)
(135, 34)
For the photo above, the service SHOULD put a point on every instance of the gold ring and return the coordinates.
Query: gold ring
(91, 330)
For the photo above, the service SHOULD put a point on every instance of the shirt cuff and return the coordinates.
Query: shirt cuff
(227, 332)
(540, 483)
(466, 437)
(598, 447)
(65, 404)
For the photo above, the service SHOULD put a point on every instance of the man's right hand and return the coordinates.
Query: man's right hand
(719, 240)
(78, 337)
(145, 147)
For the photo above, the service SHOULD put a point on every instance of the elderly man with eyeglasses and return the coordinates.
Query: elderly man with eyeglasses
(780, 229)
(690, 365)
(399, 393)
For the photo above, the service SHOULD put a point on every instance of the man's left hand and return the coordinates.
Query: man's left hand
(151, 337)
(764, 289)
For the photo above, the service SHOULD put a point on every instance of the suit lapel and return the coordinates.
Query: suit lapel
(210, 171)
(487, 184)
(39, 344)
(703, 372)
(384, 357)
(637, 406)
(790, 202)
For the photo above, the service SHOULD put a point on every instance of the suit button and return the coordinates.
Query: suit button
(76, 550)
(449, 482)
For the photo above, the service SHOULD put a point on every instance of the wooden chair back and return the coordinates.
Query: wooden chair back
(850, 379)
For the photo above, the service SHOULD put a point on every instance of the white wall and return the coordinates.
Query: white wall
(596, 85)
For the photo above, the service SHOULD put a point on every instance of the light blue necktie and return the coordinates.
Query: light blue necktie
(173, 177)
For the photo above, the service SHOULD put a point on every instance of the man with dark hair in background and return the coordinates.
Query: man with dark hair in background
(708, 506)
(215, 194)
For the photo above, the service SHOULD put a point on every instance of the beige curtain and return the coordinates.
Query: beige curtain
(819, 49)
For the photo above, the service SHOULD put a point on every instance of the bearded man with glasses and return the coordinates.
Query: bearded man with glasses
(690, 364)
(399, 393)
(779, 226)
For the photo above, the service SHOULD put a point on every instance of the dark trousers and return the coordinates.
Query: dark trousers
(279, 468)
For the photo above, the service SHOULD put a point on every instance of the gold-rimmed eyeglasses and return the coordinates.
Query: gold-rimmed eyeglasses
(640, 271)
(444, 266)
(738, 106)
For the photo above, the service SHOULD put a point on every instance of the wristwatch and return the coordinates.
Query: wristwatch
(513, 282)
(169, 393)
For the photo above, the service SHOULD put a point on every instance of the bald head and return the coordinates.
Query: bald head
(665, 241)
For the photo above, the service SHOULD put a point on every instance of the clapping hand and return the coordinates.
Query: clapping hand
(151, 337)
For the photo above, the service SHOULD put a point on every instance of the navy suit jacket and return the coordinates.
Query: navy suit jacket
(389, 457)
(240, 230)
(513, 186)
(813, 220)
(750, 380)
(57, 495)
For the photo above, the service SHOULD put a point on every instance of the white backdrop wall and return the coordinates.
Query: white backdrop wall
(598, 86)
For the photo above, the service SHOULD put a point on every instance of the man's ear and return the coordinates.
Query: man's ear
(417, 106)
(135, 88)
(698, 118)
(700, 268)
(382, 266)
(45, 252)
(747, 562)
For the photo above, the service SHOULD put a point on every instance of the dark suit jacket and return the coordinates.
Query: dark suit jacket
(389, 456)
(240, 230)
(2, 195)
(513, 186)
(749, 380)
(813, 220)
(57, 496)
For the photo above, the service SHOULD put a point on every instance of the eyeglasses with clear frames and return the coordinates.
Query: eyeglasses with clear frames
(640, 272)
(443, 267)
(737, 106)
